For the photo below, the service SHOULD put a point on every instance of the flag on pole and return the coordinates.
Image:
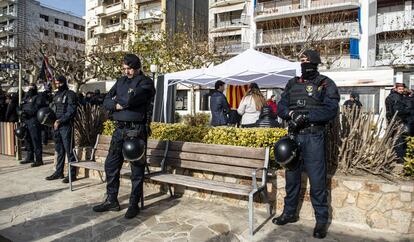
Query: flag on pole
(235, 93)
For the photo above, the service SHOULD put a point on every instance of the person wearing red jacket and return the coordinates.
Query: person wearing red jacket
(271, 103)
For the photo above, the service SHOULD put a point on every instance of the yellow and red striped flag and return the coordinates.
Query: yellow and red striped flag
(235, 93)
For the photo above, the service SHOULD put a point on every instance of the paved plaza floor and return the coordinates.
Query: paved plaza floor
(33, 209)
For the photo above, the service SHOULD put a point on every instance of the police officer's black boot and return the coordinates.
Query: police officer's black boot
(26, 162)
(133, 208)
(284, 219)
(107, 205)
(320, 231)
(54, 176)
(66, 179)
(36, 164)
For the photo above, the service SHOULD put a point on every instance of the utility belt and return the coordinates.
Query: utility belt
(128, 124)
(312, 129)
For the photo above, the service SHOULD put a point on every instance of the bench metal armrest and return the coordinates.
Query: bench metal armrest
(254, 180)
(84, 147)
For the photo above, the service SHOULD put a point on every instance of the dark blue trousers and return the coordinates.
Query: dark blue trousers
(63, 146)
(113, 165)
(33, 140)
(312, 149)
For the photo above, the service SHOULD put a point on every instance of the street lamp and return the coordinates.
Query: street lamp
(153, 69)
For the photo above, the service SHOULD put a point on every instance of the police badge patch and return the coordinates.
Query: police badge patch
(130, 90)
(309, 90)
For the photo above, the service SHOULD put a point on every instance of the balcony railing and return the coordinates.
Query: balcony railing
(394, 21)
(396, 52)
(231, 47)
(150, 16)
(315, 32)
(229, 24)
(287, 7)
(111, 9)
(10, 44)
(108, 29)
(218, 3)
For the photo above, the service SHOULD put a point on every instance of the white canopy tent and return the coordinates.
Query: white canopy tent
(266, 70)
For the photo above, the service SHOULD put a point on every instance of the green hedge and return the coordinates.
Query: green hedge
(409, 163)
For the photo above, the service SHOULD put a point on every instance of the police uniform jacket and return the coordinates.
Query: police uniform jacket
(318, 98)
(134, 95)
(32, 104)
(65, 105)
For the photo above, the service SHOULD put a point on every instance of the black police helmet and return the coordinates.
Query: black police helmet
(313, 56)
(21, 132)
(133, 150)
(46, 116)
(286, 152)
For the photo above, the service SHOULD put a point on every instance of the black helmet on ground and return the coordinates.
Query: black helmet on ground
(46, 116)
(286, 153)
(21, 132)
(133, 150)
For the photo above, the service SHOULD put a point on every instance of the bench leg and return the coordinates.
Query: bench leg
(169, 189)
(142, 199)
(251, 214)
(70, 177)
(267, 201)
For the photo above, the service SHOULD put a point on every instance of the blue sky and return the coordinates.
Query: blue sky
(75, 6)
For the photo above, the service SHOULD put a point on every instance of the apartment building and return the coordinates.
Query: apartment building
(111, 23)
(26, 23)
(230, 26)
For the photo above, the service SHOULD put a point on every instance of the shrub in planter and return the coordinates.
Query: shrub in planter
(199, 119)
(409, 158)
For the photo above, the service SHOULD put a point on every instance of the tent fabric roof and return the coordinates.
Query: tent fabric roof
(250, 66)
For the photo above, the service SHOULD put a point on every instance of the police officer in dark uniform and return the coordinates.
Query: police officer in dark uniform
(31, 103)
(64, 105)
(128, 100)
(308, 103)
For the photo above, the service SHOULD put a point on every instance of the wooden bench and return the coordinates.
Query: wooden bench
(155, 154)
(224, 159)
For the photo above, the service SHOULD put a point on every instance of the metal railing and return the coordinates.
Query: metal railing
(315, 32)
(240, 22)
(231, 47)
(283, 7)
(392, 21)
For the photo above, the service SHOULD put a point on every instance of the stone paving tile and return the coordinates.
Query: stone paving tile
(33, 209)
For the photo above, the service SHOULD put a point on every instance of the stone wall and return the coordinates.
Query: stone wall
(360, 201)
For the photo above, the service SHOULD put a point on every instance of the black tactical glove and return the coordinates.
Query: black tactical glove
(299, 120)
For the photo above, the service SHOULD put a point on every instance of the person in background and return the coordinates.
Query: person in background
(251, 106)
(219, 106)
(271, 102)
(353, 101)
(11, 110)
(397, 104)
(31, 103)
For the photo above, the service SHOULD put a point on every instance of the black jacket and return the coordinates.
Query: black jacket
(396, 102)
(219, 109)
(134, 95)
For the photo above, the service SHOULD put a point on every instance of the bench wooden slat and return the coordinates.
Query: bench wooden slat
(216, 168)
(223, 150)
(101, 153)
(199, 183)
(150, 153)
(96, 166)
(102, 146)
(216, 159)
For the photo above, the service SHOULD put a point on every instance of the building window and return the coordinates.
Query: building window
(44, 17)
(181, 100)
(56, 21)
(66, 23)
(205, 100)
(65, 37)
(59, 35)
(44, 31)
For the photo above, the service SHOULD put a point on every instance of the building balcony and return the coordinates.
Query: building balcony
(283, 9)
(228, 25)
(92, 41)
(5, 16)
(7, 2)
(221, 3)
(395, 21)
(8, 45)
(7, 30)
(147, 1)
(394, 53)
(92, 22)
(148, 18)
(315, 32)
(112, 9)
(230, 47)
(109, 29)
